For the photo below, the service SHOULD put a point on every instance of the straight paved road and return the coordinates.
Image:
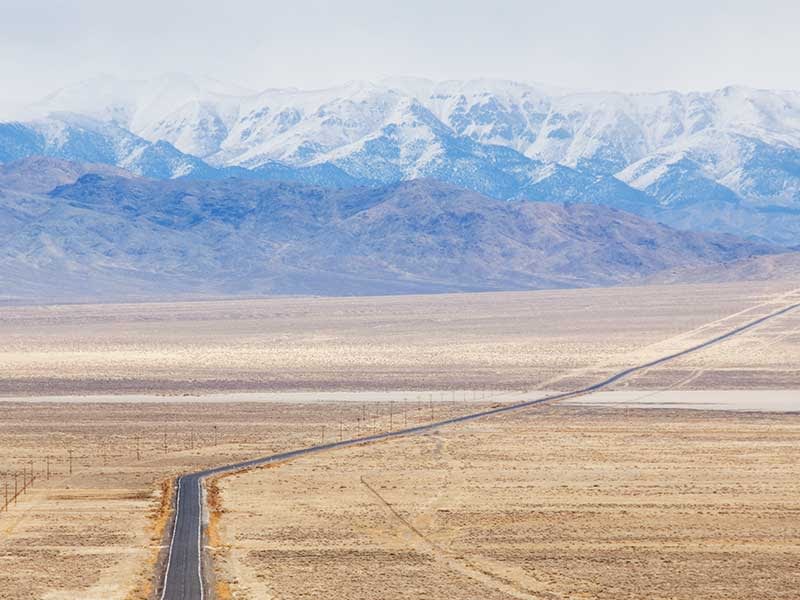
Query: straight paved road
(183, 577)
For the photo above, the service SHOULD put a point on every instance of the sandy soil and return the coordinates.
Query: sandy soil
(510, 341)
(559, 502)
(96, 534)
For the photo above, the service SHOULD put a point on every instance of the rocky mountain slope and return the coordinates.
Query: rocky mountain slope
(107, 237)
(39, 174)
(773, 267)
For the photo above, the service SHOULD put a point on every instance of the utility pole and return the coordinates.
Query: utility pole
(24, 479)
(323, 434)
(431, 403)
(138, 448)
(165, 440)
(48, 467)
(5, 504)
(70, 461)
(215, 435)
(16, 493)
(358, 426)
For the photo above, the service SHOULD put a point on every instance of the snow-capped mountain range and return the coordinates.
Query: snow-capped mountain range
(726, 160)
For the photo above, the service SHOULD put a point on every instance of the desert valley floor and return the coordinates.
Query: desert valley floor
(681, 482)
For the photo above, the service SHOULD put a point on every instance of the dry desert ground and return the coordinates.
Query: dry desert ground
(506, 341)
(563, 501)
(558, 503)
(96, 534)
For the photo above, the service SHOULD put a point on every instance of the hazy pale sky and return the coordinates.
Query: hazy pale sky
(611, 44)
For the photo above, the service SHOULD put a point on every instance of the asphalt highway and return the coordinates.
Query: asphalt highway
(183, 573)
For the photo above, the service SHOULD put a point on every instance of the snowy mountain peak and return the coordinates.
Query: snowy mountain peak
(736, 148)
(205, 117)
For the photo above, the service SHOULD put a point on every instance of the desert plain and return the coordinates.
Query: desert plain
(687, 498)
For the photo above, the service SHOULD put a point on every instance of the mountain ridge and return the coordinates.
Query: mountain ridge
(106, 237)
(718, 161)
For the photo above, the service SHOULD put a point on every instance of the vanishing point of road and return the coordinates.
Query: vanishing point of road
(183, 573)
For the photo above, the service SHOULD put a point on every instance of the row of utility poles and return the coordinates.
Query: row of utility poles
(371, 425)
(22, 481)
(16, 483)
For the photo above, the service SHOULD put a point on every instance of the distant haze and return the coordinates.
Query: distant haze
(620, 44)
